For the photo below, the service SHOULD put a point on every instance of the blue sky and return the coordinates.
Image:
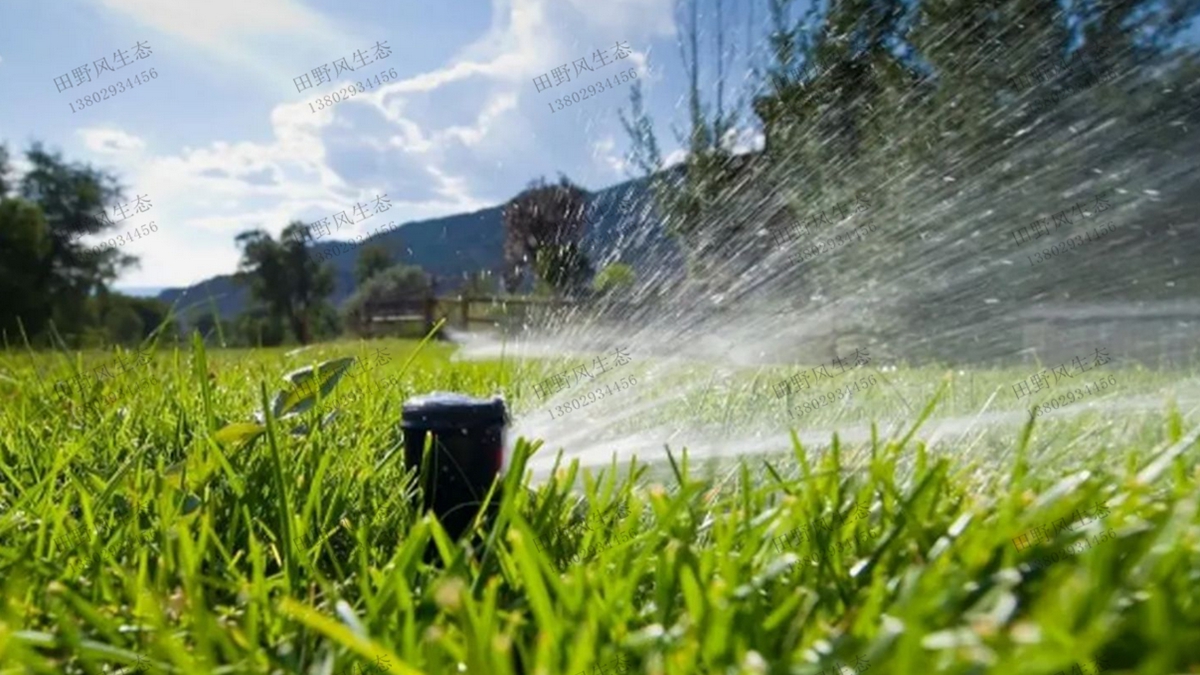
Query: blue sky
(221, 141)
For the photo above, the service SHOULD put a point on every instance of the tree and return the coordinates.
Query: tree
(127, 320)
(212, 328)
(5, 186)
(479, 284)
(398, 282)
(614, 277)
(564, 268)
(689, 198)
(152, 313)
(549, 218)
(123, 325)
(73, 199)
(372, 260)
(25, 247)
(326, 322)
(47, 275)
(284, 279)
(258, 327)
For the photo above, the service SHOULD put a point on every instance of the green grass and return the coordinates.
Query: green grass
(127, 531)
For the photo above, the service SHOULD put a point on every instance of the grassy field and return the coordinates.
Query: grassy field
(131, 538)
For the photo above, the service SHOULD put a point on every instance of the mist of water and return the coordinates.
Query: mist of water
(939, 241)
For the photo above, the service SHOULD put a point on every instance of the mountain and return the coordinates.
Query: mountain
(139, 291)
(623, 228)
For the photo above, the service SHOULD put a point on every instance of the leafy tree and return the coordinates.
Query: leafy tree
(372, 260)
(614, 277)
(258, 327)
(399, 282)
(47, 274)
(326, 322)
(689, 197)
(123, 324)
(564, 268)
(152, 313)
(262, 268)
(929, 111)
(73, 199)
(550, 219)
(128, 320)
(25, 247)
(212, 328)
(479, 284)
(312, 283)
(284, 279)
(5, 186)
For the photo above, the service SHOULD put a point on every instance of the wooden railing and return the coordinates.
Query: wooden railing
(467, 308)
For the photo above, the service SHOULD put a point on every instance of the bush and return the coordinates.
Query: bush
(614, 277)
(400, 282)
(256, 328)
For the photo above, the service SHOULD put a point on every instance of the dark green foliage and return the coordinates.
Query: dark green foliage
(284, 279)
(543, 227)
(565, 268)
(371, 261)
(614, 277)
(206, 324)
(396, 283)
(24, 251)
(125, 320)
(257, 327)
(48, 277)
(480, 284)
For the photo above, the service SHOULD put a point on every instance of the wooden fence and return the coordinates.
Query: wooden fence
(462, 311)
(467, 312)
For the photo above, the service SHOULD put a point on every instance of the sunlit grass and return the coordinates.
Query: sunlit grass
(127, 533)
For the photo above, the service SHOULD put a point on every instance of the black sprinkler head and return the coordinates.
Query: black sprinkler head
(466, 452)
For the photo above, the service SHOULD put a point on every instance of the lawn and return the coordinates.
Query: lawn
(131, 538)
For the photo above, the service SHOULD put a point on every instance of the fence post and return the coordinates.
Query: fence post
(430, 307)
(465, 303)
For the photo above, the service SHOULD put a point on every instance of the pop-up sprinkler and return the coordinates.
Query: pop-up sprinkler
(466, 453)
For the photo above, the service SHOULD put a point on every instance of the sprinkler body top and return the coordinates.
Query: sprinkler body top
(466, 452)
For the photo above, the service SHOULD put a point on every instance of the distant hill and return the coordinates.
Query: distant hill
(623, 229)
(140, 291)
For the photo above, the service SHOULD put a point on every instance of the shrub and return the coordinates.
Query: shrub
(399, 282)
(614, 277)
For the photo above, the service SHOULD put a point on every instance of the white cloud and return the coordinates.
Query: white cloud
(473, 135)
(527, 38)
(464, 134)
(111, 141)
(745, 139)
(605, 150)
(674, 157)
(455, 189)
